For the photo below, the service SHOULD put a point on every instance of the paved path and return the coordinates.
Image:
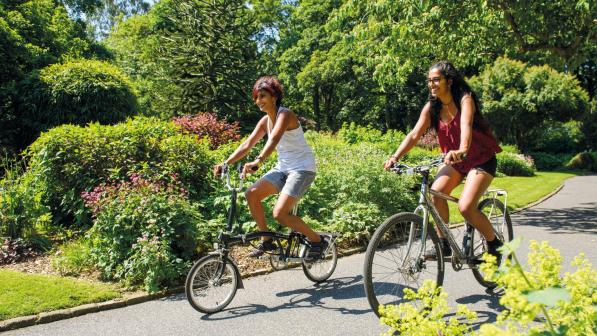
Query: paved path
(286, 303)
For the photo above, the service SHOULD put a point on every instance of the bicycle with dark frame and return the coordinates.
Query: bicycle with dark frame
(213, 280)
(397, 255)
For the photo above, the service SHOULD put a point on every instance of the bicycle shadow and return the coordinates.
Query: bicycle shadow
(308, 297)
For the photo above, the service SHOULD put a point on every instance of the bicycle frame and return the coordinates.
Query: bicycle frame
(292, 251)
(426, 208)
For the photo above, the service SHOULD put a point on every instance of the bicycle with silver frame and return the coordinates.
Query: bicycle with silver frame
(395, 259)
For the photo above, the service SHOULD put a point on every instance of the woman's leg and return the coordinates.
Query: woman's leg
(477, 181)
(446, 180)
(255, 195)
(283, 214)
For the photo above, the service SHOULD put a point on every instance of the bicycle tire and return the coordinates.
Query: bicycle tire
(206, 280)
(277, 264)
(321, 269)
(392, 263)
(502, 226)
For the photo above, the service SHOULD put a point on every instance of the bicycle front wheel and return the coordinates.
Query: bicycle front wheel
(502, 226)
(211, 283)
(395, 260)
(321, 269)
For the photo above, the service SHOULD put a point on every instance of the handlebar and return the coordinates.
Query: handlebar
(225, 176)
(400, 168)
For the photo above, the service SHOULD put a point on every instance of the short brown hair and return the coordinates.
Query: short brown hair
(270, 84)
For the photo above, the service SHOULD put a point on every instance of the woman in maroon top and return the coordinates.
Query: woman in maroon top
(466, 139)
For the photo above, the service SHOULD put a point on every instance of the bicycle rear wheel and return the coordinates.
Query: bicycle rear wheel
(211, 283)
(394, 260)
(502, 226)
(321, 269)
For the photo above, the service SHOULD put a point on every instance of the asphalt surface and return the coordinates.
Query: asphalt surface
(287, 303)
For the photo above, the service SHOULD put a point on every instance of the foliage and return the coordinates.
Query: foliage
(15, 250)
(559, 137)
(561, 305)
(426, 319)
(144, 231)
(77, 92)
(33, 35)
(342, 180)
(356, 221)
(515, 164)
(73, 258)
(547, 161)
(206, 125)
(589, 126)
(584, 160)
(134, 44)
(516, 95)
(208, 54)
(22, 212)
(102, 15)
(68, 160)
(353, 134)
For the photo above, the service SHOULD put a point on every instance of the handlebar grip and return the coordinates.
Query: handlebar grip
(254, 168)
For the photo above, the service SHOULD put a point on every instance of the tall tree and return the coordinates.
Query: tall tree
(102, 15)
(209, 53)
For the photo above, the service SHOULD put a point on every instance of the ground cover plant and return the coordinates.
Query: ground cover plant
(538, 300)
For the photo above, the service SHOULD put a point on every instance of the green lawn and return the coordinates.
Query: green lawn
(27, 294)
(521, 190)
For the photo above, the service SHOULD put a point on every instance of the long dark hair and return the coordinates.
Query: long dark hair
(459, 88)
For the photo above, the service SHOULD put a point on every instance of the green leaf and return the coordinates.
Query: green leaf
(510, 247)
(549, 296)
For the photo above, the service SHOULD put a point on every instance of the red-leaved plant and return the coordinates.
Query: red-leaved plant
(206, 125)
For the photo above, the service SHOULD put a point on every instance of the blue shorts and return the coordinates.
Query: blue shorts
(293, 183)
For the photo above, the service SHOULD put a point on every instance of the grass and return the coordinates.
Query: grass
(521, 190)
(28, 294)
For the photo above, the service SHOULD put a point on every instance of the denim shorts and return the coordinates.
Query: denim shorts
(293, 183)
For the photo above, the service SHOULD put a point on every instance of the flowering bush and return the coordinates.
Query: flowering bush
(144, 231)
(206, 125)
(537, 301)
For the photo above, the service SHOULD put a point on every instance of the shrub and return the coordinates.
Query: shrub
(68, 160)
(22, 212)
(356, 221)
(206, 125)
(558, 137)
(15, 250)
(538, 301)
(354, 134)
(547, 161)
(516, 95)
(353, 174)
(584, 160)
(76, 92)
(144, 231)
(73, 258)
(515, 164)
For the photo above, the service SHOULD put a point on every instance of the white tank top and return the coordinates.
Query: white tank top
(293, 151)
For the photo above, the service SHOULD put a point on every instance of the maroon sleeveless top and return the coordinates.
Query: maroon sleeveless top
(483, 145)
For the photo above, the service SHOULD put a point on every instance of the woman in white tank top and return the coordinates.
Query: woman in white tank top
(294, 172)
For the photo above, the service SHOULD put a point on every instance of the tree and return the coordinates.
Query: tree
(33, 34)
(207, 51)
(518, 100)
(102, 15)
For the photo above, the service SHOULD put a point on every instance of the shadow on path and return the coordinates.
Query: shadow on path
(308, 297)
(582, 218)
